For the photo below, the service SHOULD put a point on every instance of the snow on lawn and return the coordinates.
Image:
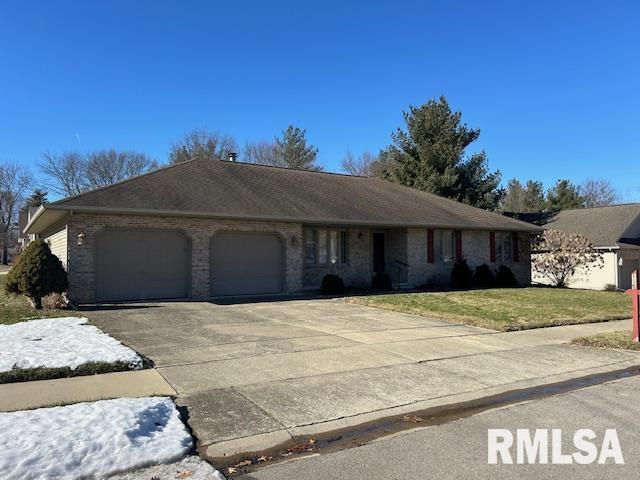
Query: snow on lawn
(60, 342)
(91, 440)
(189, 468)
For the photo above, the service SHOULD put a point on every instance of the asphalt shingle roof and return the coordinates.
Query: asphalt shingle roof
(233, 189)
(603, 226)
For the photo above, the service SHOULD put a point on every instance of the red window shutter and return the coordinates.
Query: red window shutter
(458, 245)
(516, 254)
(430, 256)
(492, 246)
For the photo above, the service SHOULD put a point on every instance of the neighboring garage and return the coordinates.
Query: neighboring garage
(246, 263)
(141, 264)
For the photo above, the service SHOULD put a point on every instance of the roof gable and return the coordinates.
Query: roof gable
(603, 226)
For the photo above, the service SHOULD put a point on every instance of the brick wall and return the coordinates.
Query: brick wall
(406, 253)
(81, 262)
(475, 249)
(356, 272)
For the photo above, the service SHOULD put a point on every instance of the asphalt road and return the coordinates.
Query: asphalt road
(459, 449)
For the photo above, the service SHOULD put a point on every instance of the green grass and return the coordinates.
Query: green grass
(43, 373)
(620, 339)
(508, 309)
(16, 308)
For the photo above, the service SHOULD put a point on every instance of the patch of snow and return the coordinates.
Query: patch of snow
(190, 468)
(91, 440)
(60, 342)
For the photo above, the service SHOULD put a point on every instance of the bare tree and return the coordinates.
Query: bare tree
(110, 166)
(559, 255)
(365, 165)
(202, 143)
(66, 173)
(598, 192)
(261, 153)
(14, 183)
(72, 173)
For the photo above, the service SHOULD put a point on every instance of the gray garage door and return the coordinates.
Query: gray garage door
(141, 265)
(246, 264)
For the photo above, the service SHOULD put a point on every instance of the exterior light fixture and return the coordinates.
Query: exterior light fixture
(80, 239)
(620, 261)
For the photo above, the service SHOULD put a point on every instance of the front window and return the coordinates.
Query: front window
(504, 243)
(310, 246)
(445, 245)
(325, 246)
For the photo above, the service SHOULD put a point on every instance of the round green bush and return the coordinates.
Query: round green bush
(37, 273)
(461, 275)
(483, 277)
(505, 277)
(381, 282)
(332, 285)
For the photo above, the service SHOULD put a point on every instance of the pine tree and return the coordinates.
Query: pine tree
(564, 195)
(523, 199)
(430, 155)
(37, 198)
(37, 274)
(293, 151)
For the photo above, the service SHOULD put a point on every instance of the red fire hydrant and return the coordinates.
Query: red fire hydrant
(635, 296)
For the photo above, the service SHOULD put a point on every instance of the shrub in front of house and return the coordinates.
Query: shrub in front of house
(483, 277)
(381, 282)
(461, 275)
(610, 287)
(332, 285)
(505, 277)
(56, 301)
(37, 274)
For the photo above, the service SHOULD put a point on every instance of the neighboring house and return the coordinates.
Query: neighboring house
(614, 231)
(24, 216)
(212, 228)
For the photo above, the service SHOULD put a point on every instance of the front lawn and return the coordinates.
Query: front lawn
(60, 347)
(508, 309)
(620, 339)
(16, 308)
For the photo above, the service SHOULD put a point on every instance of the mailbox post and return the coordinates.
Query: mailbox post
(635, 296)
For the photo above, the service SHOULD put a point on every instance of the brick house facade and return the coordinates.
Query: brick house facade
(363, 226)
(408, 254)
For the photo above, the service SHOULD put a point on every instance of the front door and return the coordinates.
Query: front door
(378, 253)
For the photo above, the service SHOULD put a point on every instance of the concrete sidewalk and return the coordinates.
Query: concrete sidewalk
(63, 391)
(254, 375)
(268, 402)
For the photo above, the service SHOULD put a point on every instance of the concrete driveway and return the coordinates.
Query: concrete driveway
(254, 375)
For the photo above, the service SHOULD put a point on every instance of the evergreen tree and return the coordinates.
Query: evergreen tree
(37, 198)
(37, 273)
(523, 199)
(293, 151)
(564, 195)
(430, 155)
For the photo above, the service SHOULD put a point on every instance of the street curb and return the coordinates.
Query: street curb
(229, 451)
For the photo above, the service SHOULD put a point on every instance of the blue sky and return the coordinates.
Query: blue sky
(554, 86)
